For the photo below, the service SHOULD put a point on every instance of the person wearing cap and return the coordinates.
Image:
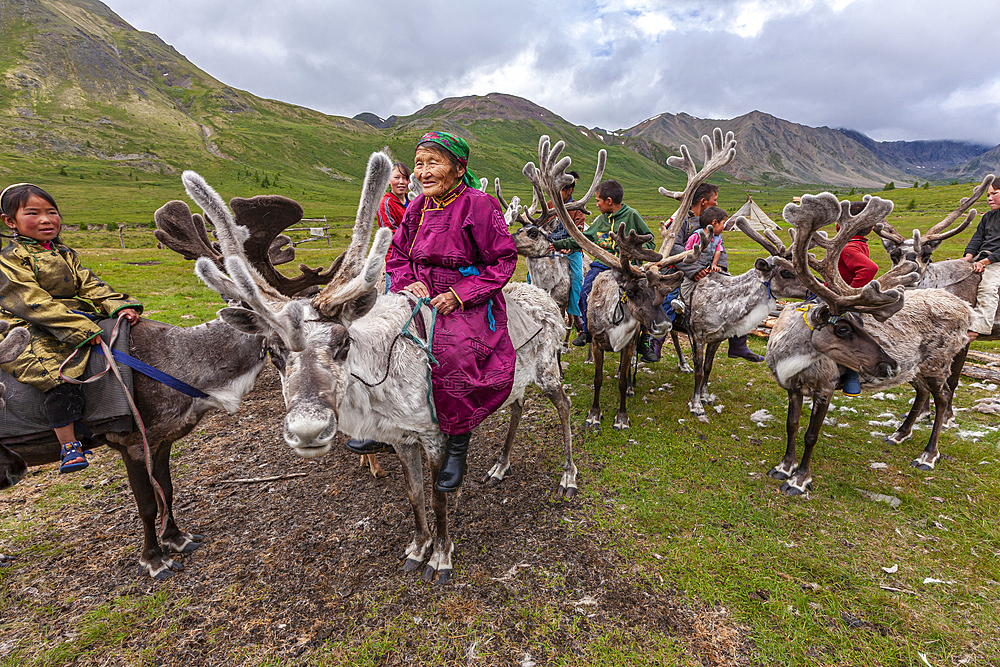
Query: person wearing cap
(453, 247)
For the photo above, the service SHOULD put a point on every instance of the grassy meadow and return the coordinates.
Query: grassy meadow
(834, 578)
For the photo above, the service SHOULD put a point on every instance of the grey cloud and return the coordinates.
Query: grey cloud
(893, 70)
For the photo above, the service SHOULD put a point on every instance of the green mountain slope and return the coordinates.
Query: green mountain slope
(104, 114)
(108, 116)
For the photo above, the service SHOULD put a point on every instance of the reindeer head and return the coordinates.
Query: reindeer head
(532, 241)
(921, 246)
(308, 338)
(776, 269)
(837, 331)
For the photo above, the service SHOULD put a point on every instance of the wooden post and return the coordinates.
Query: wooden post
(326, 230)
(121, 235)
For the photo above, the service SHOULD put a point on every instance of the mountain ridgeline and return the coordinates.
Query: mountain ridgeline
(86, 98)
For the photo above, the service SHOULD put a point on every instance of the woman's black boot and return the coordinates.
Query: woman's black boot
(453, 467)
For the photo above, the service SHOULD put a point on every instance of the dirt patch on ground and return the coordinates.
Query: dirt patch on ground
(290, 564)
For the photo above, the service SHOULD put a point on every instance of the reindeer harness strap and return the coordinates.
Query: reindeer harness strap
(154, 373)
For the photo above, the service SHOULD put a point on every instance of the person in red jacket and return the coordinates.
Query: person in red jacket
(857, 269)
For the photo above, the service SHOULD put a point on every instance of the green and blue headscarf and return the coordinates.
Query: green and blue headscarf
(457, 147)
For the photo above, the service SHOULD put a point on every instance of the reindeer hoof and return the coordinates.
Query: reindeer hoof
(184, 543)
(166, 569)
(685, 369)
(493, 481)
(563, 492)
(790, 490)
(779, 475)
(444, 577)
(428, 574)
(410, 565)
(922, 465)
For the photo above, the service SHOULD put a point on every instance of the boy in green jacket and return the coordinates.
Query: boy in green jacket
(614, 212)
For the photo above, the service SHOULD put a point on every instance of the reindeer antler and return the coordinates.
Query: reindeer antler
(881, 297)
(936, 234)
(355, 276)
(769, 241)
(542, 216)
(184, 233)
(551, 176)
(719, 151)
(345, 279)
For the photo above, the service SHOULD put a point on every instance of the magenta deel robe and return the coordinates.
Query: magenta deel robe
(436, 238)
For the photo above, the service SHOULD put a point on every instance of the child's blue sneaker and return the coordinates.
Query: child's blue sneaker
(852, 383)
(73, 457)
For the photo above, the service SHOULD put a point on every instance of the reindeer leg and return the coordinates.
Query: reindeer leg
(413, 477)
(698, 352)
(956, 373)
(942, 404)
(787, 465)
(594, 417)
(371, 460)
(556, 394)
(499, 470)
(710, 350)
(920, 401)
(172, 538)
(152, 560)
(801, 481)
(682, 364)
(624, 370)
(440, 560)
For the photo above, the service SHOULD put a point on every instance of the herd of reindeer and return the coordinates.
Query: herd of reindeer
(345, 365)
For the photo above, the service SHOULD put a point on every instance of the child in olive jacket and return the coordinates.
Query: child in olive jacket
(43, 287)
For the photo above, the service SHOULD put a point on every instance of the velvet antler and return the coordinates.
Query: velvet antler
(719, 151)
(881, 297)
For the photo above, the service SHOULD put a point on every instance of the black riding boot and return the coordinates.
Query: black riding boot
(453, 467)
(642, 348)
(363, 447)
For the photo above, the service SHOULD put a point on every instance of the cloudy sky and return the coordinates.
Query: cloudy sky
(920, 69)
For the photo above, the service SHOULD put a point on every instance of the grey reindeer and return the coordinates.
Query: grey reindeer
(723, 305)
(549, 270)
(212, 357)
(622, 300)
(954, 275)
(345, 366)
(873, 329)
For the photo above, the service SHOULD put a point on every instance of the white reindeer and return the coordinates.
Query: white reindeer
(345, 365)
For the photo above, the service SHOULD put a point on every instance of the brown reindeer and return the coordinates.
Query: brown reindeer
(953, 275)
(212, 357)
(872, 329)
(622, 300)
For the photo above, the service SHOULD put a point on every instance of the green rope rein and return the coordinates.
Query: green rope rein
(426, 347)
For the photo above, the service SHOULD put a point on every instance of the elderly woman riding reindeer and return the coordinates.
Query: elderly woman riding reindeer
(344, 361)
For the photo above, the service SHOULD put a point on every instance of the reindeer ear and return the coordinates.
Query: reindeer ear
(764, 265)
(245, 321)
(13, 343)
(360, 306)
(818, 315)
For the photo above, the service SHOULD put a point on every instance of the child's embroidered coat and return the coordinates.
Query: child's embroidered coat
(40, 289)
